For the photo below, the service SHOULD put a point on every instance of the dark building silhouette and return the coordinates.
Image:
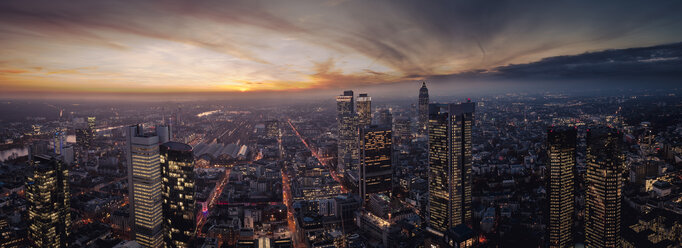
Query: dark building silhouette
(450, 162)
(423, 108)
(604, 187)
(179, 192)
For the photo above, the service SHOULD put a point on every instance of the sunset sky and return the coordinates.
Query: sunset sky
(238, 46)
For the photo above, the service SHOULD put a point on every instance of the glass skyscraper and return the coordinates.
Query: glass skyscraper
(364, 110)
(375, 161)
(450, 162)
(179, 191)
(561, 146)
(348, 133)
(47, 193)
(604, 187)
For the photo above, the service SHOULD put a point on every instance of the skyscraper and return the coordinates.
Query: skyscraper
(375, 161)
(561, 145)
(91, 124)
(47, 192)
(347, 138)
(423, 108)
(144, 185)
(179, 191)
(364, 110)
(604, 187)
(450, 162)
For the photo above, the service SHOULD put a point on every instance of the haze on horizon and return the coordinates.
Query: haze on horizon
(270, 47)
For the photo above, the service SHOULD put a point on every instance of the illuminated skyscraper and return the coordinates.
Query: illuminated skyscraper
(423, 108)
(604, 187)
(348, 137)
(91, 123)
(364, 110)
(450, 163)
(561, 145)
(179, 191)
(47, 192)
(375, 161)
(144, 184)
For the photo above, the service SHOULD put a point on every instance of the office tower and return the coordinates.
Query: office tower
(604, 187)
(561, 145)
(272, 129)
(47, 193)
(364, 110)
(91, 124)
(375, 161)
(144, 185)
(450, 163)
(179, 212)
(347, 139)
(423, 108)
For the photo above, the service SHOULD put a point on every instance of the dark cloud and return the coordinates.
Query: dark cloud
(663, 62)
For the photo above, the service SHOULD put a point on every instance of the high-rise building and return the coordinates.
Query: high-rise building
(364, 110)
(561, 146)
(91, 123)
(348, 138)
(144, 185)
(423, 108)
(604, 183)
(375, 161)
(450, 162)
(47, 192)
(179, 191)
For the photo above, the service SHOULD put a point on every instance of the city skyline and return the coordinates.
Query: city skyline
(340, 123)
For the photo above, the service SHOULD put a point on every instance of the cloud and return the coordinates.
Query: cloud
(662, 62)
(279, 45)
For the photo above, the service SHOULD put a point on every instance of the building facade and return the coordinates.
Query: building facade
(47, 193)
(364, 110)
(375, 161)
(347, 138)
(179, 191)
(450, 162)
(144, 185)
(604, 183)
(561, 146)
